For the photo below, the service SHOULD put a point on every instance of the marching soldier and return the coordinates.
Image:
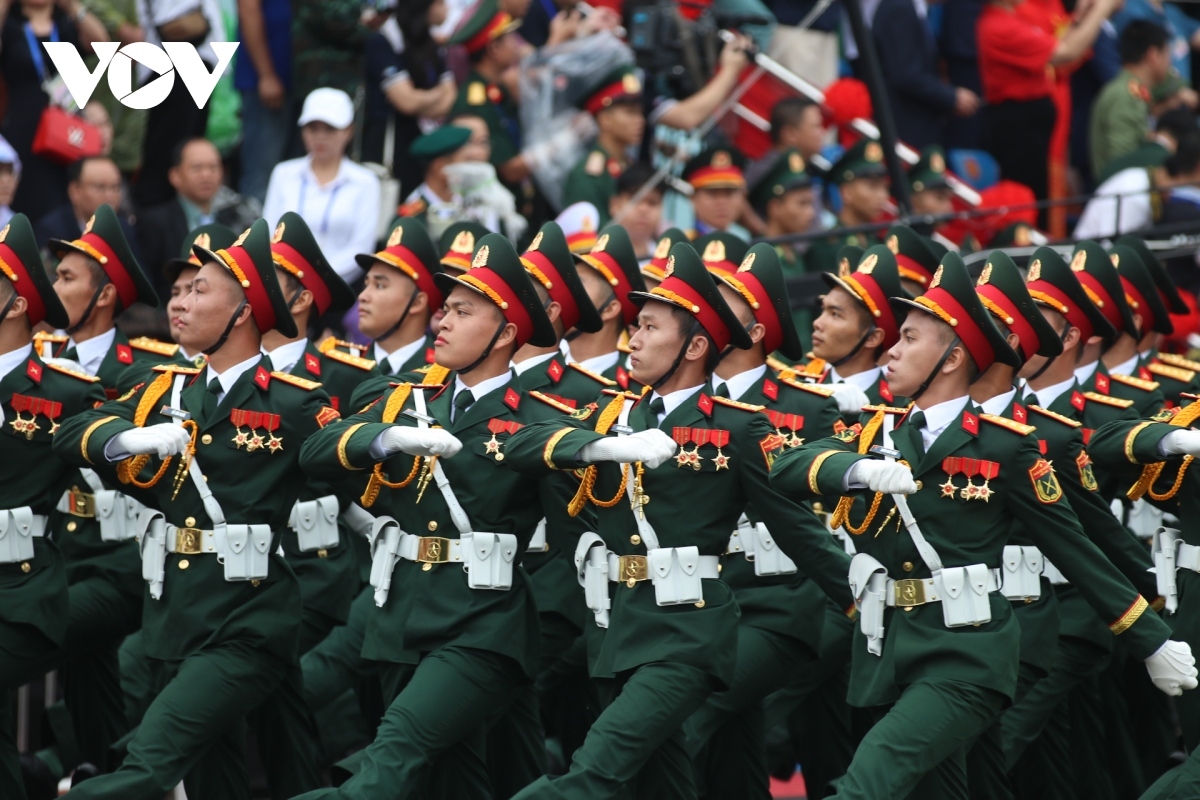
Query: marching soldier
(179, 273)
(616, 105)
(214, 454)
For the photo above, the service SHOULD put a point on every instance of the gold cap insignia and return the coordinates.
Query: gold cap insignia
(241, 238)
(88, 227)
(278, 235)
(586, 225)
(844, 267)
(630, 84)
(1022, 237)
(873, 152)
(867, 265)
(747, 263)
(1115, 259)
(1035, 271)
(398, 234)
(893, 244)
(721, 159)
(481, 258)
(715, 251)
(203, 240)
(537, 241)
(937, 278)
(600, 244)
(986, 275)
(663, 249)
(937, 163)
(463, 243)
(1079, 261)
(4, 233)
(670, 270)
(796, 162)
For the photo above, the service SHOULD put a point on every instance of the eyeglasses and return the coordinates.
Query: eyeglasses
(103, 188)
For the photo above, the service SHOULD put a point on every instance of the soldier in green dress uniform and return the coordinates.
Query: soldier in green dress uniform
(37, 398)
(437, 150)
(718, 191)
(179, 273)
(457, 245)
(915, 257)
(861, 178)
(654, 270)
(937, 664)
(214, 455)
(616, 105)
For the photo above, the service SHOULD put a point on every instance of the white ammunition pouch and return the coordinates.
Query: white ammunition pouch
(1022, 573)
(677, 572)
(18, 528)
(1171, 553)
(316, 523)
(760, 548)
(245, 552)
(490, 558)
(965, 593)
(116, 512)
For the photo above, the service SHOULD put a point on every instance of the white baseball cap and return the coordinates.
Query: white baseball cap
(331, 106)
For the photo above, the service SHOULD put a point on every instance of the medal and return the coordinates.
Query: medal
(988, 470)
(951, 466)
(970, 468)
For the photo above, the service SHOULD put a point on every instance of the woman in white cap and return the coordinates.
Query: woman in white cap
(336, 197)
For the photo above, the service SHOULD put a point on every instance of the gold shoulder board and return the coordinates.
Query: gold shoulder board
(824, 391)
(354, 361)
(725, 401)
(1137, 383)
(74, 373)
(596, 376)
(1104, 399)
(1174, 373)
(145, 343)
(550, 401)
(177, 368)
(1056, 416)
(301, 383)
(1012, 425)
(1179, 361)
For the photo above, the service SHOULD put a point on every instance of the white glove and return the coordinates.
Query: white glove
(164, 439)
(1173, 668)
(1180, 443)
(419, 441)
(888, 477)
(651, 447)
(850, 398)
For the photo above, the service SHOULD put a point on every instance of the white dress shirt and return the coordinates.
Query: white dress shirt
(284, 357)
(529, 363)
(91, 352)
(739, 384)
(1048, 394)
(940, 417)
(229, 377)
(1126, 368)
(863, 380)
(1082, 374)
(10, 361)
(342, 214)
(998, 404)
(396, 359)
(673, 400)
(600, 364)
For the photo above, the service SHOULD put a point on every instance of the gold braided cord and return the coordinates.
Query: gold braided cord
(533, 270)
(232, 265)
(287, 265)
(584, 494)
(1048, 300)
(377, 480)
(841, 514)
(937, 310)
(1151, 472)
(483, 288)
(863, 294)
(129, 469)
(741, 289)
(679, 300)
(154, 392)
(1095, 298)
(1187, 461)
(398, 263)
(436, 375)
(996, 310)
(91, 251)
(8, 271)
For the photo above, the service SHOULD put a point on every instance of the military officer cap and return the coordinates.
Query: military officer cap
(716, 168)
(483, 25)
(915, 256)
(688, 285)
(951, 298)
(657, 265)
(721, 252)
(249, 261)
(1158, 273)
(103, 241)
(874, 280)
(410, 250)
(614, 258)
(863, 160)
(550, 262)
(1099, 277)
(497, 274)
(848, 255)
(441, 142)
(1002, 291)
(1018, 234)
(1141, 294)
(622, 85)
(759, 280)
(21, 263)
(458, 244)
(294, 249)
(930, 170)
(788, 172)
(579, 222)
(213, 236)
(1053, 284)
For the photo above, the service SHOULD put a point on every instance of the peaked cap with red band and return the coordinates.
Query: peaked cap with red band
(622, 85)
(410, 250)
(688, 285)
(657, 265)
(549, 262)
(1139, 287)
(295, 250)
(614, 258)
(1053, 284)
(759, 280)
(1002, 291)
(249, 261)
(483, 25)
(874, 281)
(1162, 280)
(497, 274)
(951, 298)
(916, 260)
(1100, 280)
(716, 168)
(213, 236)
(21, 264)
(457, 244)
(103, 240)
(721, 252)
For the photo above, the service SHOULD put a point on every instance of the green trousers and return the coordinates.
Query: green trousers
(637, 739)
(727, 735)
(194, 730)
(922, 734)
(1181, 783)
(987, 770)
(21, 648)
(335, 662)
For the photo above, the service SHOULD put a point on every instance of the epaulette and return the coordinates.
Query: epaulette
(412, 209)
(1179, 361)
(596, 376)
(619, 393)
(1012, 425)
(725, 401)
(145, 343)
(51, 337)
(74, 373)
(824, 391)
(1056, 416)
(1174, 373)
(332, 342)
(777, 365)
(177, 369)
(1104, 399)
(888, 409)
(550, 401)
(302, 383)
(1137, 383)
(354, 361)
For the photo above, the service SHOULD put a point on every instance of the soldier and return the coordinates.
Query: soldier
(861, 178)
(654, 269)
(669, 644)
(915, 258)
(721, 252)
(179, 273)
(938, 663)
(217, 450)
(718, 191)
(457, 245)
(616, 105)
(927, 182)
(37, 397)
(436, 150)
(580, 223)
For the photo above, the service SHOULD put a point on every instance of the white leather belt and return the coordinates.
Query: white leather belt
(190, 541)
(1188, 557)
(430, 549)
(910, 592)
(623, 569)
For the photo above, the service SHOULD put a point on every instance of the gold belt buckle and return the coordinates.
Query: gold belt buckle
(433, 550)
(632, 569)
(189, 541)
(82, 504)
(910, 592)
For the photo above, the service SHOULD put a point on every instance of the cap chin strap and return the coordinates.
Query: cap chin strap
(208, 351)
(1062, 337)
(87, 314)
(403, 316)
(687, 340)
(731, 348)
(8, 306)
(933, 374)
(576, 333)
(857, 347)
(487, 351)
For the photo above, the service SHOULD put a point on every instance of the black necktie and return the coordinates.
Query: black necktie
(722, 390)
(71, 354)
(915, 423)
(1031, 400)
(211, 398)
(462, 401)
(657, 408)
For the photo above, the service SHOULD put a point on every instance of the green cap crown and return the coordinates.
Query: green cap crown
(788, 172)
(863, 160)
(930, 170)
(1003, 292)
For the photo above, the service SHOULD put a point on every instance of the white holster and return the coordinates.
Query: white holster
(358, 520)
(1144, 519)
(1165, 550)
(152, 540)
(316, 523)
(385, 551)
(538, 544)
(591, 567)
(245, 552)
(117, 513)
(1022, 573)
(18, 528)
(869, 584)
(1053, 573)
(760, 548)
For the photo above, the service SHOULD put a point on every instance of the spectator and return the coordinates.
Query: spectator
(1183, 30)
(1014, 57)
(328, 41)
(1183, 201)
(957, 47)
(1121, 114)
(643, 218)
(200, 199)
(718, 191)
(10, 177)
(862, 182)
(96, 115)
(909, 61)
(91, 182)
(1170, 127)
(24, 65)
(446, 145)
(337, 198)
(797, 123)
(263, 76)
(408, 87)
(479, 146)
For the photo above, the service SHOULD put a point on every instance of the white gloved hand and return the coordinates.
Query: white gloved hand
(1181, 443)
(164, 439)
(888, 477)
(1173, 668)
(652, 447)
(420, 441)
(850, 398)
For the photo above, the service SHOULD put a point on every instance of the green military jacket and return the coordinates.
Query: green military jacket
(594, 180)
(1174, 374)
(498, 109)
(1146, 395)
(917, 643)
(1120, 120)
(432, 608)
(36, 399)
(198, 607)
(694, 500)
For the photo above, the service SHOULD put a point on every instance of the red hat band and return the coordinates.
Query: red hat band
(608, 268)
(751, 289)
(1137, 302)
(913, 270)
(1103, 300)
(98, 249)
(289, 258)
(242, 267)
(680, 293)
(606, 97)
(406, 261)
(717, 176)
(544, 273)
(949, 310)
(481, 39)
(492, 286)
(16, 271)
(870, 294)
(997, 301)
(1051, 295)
